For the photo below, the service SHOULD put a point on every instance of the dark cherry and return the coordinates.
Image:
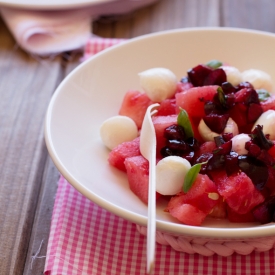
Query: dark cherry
(215, 77)
(254, 111)
(227, 136)
(216, 161)
(247, 96)
(228, 88)
(198, 74)
(231, 163)
(260, 139)
(165, 152)
(193, 143)
(177, 145)
(216, 122)
(174, 132)
(244, 85)
(255, 169)
(264, 213)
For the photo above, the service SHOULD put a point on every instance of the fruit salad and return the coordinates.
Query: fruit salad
(215, 132)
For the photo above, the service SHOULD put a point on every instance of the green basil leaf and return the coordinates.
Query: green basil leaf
(183, 121)
(214, 64)
(263, 94)
(191, 176)
(221, 96)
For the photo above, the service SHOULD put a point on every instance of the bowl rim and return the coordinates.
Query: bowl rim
(199, 231)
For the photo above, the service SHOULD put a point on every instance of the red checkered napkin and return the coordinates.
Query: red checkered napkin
(87, 240)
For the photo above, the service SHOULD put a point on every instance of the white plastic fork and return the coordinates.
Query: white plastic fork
(148, 150)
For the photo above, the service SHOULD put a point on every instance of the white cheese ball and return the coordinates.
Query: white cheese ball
(233, 75)
(206, 133)
(170, 174)
(259, 79)
(158, 83)
(267, 120)
(116, 130)
(238, 143)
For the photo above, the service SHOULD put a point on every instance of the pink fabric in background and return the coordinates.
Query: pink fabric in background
(87, 240)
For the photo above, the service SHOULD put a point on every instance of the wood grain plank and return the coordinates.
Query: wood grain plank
(26, 87)
(258, 15)
(41, 226)
(163, 15)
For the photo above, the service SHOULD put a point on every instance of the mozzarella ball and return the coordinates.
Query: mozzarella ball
(206, 133)
(231, 127)
(267, 120)
(233, 75)
(238, 143)
(259, 79)
(158, 83)
(170, 174)
(116, 130)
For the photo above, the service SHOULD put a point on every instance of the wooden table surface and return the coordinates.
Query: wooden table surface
(28, 178)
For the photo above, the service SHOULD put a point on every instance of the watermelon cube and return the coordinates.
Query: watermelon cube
(193, 207)
(237, 190)
(268, 104)
(134, 105)
(167, 107)
(137, 169)
(160, 123)
(188, 214)
(124, 150)
(192, 100)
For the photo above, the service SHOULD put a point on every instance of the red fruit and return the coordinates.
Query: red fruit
(188, 214)
(134, 105)
(137, 169)
(192, 100)
(160, 124)
(203, 194)
(271, 151)
(124, 150)
(237, 190)
(192, 208)
(167, 107)
(268, 104)
(239, 218)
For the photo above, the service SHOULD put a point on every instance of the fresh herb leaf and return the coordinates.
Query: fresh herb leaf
(221, 96)
(183, 121)
(263, 94)
(214, 64)
(191, 176)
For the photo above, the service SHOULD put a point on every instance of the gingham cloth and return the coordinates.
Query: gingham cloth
(87, 240)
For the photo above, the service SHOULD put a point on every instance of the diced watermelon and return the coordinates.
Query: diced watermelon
(188, 214)
(134, 105)
(160, 123)
(203, 194)
(192, 100)
(137, 169)
(167, 107)
(124, 150)
(268, 104)
(199, 200)
(238, 191)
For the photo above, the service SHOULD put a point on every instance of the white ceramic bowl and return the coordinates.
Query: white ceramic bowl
(93, 92)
